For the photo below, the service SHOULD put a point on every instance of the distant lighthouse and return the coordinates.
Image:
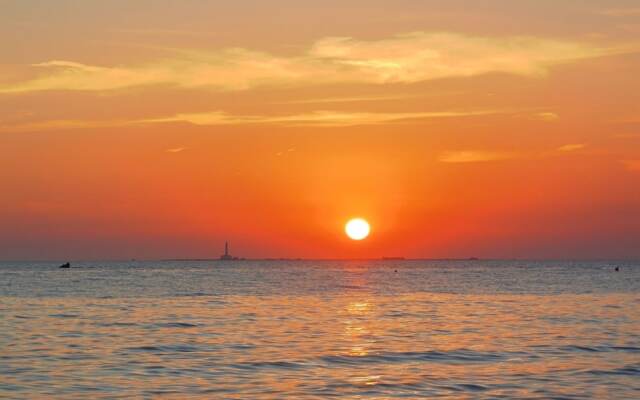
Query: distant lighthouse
(226, 255)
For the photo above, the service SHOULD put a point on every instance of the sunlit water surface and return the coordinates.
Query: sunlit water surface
(264, 330)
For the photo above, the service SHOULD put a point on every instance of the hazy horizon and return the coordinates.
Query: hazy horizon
(328, 259)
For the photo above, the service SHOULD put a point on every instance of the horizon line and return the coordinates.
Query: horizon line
(321, 259)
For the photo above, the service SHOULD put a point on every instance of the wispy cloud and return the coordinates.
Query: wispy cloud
(176, 150)
(59, 124)
(321, 118)
(346, 99)
(472, 156)
(283, 153)
(314, 118)
(406, 58)
(547, 116)
(571, 147)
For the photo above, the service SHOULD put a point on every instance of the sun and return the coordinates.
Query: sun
(357, 229)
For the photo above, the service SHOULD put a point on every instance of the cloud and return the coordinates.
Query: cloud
(571, 147)
(289, 150)
(321, 118)
(405, 58)
(176, 150)
(314, 118)
(420, 56)
(471, 156)
(632, 165)
(547, 116)
(59, 124)
(346, 99)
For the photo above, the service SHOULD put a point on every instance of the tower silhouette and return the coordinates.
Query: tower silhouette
(226, 255)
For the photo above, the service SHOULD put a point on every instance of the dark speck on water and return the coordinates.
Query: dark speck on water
(474, 329)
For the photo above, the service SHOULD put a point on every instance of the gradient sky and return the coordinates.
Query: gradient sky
(158, 129)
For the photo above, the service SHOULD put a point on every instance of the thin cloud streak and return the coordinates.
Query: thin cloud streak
(320, 118)
(547, 116)
(571, 147)
(176, 150)
(474, 156)
(406, 58)
(60, 124)
(347, 99)
(314, 118)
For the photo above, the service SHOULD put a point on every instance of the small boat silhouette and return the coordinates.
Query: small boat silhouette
(65, 265)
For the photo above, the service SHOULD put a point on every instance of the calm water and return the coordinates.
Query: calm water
(266, 330)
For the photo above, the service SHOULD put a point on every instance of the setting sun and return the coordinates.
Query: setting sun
(357, 229)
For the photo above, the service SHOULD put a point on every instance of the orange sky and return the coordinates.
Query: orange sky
(155, 130)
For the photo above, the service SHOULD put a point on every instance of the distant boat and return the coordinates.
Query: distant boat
(65, 265)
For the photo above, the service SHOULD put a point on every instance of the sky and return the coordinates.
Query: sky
(160, 129)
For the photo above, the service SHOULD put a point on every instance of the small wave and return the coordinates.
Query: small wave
(165, 349)
(16, 371)
(628, 370)
(176, 325)
(432, 356)
(78, 357)
(600, 349)
(629, 349)
(108, 324)
(64, 315)
(287, 365)
(242, 346)
(216, 390)
(154, 367)
(352, 287)
(472, 387)
(397, 314)
(581, 348)
(195, 294)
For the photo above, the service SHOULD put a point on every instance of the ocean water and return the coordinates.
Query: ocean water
(320, 329)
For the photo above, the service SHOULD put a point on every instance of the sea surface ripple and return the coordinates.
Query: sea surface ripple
(320, 329)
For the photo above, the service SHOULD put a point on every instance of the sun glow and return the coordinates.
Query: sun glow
(357, 229)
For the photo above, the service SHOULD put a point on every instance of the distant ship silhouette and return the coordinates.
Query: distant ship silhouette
(226, 256)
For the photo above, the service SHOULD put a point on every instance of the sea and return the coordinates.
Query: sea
(386, 329)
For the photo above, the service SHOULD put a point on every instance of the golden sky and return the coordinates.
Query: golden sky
(154, 129)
